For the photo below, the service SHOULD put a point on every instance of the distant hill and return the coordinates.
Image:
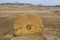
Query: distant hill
(17, 4)
(27, 7)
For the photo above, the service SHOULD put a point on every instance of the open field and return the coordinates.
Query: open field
(50, 18)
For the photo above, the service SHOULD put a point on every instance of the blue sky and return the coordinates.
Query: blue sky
(44, 2)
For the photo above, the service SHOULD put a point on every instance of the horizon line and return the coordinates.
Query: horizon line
(29, 3)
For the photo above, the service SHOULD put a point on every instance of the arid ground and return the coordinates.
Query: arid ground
(50, 17)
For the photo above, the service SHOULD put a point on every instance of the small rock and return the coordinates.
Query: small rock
(34, 37)
(8, 36)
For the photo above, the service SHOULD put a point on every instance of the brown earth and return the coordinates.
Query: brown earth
(50, 17)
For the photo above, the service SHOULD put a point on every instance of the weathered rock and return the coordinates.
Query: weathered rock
(8, 37)
(27, 24)
(31, 37)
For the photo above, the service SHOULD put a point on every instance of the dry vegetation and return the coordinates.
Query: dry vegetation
(50, 18)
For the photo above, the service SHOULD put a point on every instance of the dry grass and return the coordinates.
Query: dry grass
(51, 19)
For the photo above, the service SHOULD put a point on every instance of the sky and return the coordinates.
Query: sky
(36, 2)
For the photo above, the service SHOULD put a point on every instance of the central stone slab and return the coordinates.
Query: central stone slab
(28, 24)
